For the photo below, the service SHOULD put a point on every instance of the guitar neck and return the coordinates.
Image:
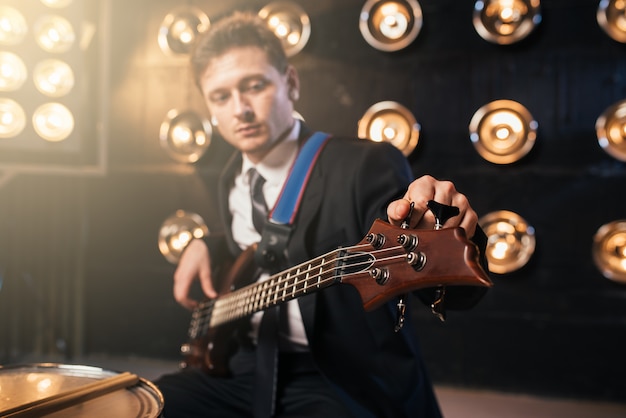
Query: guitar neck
(297, 281)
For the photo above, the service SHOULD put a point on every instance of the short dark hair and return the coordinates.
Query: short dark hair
(240, 29)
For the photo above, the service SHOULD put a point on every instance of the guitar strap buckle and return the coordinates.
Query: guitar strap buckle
(271, 253)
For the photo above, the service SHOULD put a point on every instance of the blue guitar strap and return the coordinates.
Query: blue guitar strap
(277, 230)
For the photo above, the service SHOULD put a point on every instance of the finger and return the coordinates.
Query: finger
(181, 293)
(206, 283)
(397, 211)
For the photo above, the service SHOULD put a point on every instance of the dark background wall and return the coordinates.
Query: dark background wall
(81, 273)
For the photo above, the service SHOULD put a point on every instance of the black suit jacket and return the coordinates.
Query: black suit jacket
(377, 371)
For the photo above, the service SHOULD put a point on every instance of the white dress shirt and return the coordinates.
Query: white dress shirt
(275, 168)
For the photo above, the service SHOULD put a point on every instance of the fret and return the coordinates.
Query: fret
(306, 278)
(295, 283)
(286, 284)
(319, 275)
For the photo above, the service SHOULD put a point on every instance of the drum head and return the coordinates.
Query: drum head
(22, 384)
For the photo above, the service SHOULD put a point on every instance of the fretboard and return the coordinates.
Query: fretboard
(297, 281)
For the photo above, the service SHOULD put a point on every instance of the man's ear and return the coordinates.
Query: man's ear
(293, 83)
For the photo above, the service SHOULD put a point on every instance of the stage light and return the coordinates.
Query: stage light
(180, 28)
(40, 62)
(510, 241)
(506, 21)
(391, 122)
(12, 118)
(611, 16)
(503, 131)
(609, 250)
(54, 34)
(13, 72)
(53, 78)
(390, 25)
(13, 27)
(185, 135)
(290, 23)
(177, 231)
(611, 130)
(53, 122)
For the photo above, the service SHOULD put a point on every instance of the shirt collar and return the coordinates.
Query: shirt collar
(276, 164)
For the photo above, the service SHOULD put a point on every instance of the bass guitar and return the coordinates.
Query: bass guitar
(387, 263)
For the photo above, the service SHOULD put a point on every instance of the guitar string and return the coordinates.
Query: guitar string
(284, 286)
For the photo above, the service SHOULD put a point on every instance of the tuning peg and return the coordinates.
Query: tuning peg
(407, 220)
(442, 212)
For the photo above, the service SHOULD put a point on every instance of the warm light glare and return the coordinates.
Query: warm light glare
(53, 122)
(611, 17)
(611, 130)
(12, 118)
(609, 250)
(54, 34)
(394, 23)
(177, 231)
(54, 78)
(390, 122)
(179, 30)
(503, 131)
(506, 21)
(390, 25)
(56, 4)
(13, 72)
(290, 23)
(510, 241)
(185, 135)
(13, 26)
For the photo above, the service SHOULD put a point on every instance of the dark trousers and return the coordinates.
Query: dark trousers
(301, 390)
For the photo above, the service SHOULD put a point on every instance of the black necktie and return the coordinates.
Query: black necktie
(259, 207)
(265, 387)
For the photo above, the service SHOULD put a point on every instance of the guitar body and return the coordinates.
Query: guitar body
(209, 348)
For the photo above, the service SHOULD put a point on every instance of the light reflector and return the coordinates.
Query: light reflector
(609, 250)
(611, 16)
(177, 231)
(390, 25)
(611, 130)
(390, 121)
(503, 131)
(54, 34)
(185, 135)
(180, 28)
(12, 118)
(506, 21)
(53, 122)
(53, 78)
(13, 72)
(510, 241)
(13, 27)
(290, 23)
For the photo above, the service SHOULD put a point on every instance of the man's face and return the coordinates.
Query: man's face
(249, 99)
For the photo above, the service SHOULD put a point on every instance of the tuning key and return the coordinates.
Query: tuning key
(442, 212)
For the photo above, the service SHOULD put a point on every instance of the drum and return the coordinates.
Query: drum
(24, 384)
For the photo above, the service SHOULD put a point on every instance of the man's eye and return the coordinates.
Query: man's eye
(219, 98)
(257, 85)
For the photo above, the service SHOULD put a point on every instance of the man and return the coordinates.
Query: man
(334, 358)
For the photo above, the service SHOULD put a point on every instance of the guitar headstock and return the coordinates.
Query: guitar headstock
(403, 260)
